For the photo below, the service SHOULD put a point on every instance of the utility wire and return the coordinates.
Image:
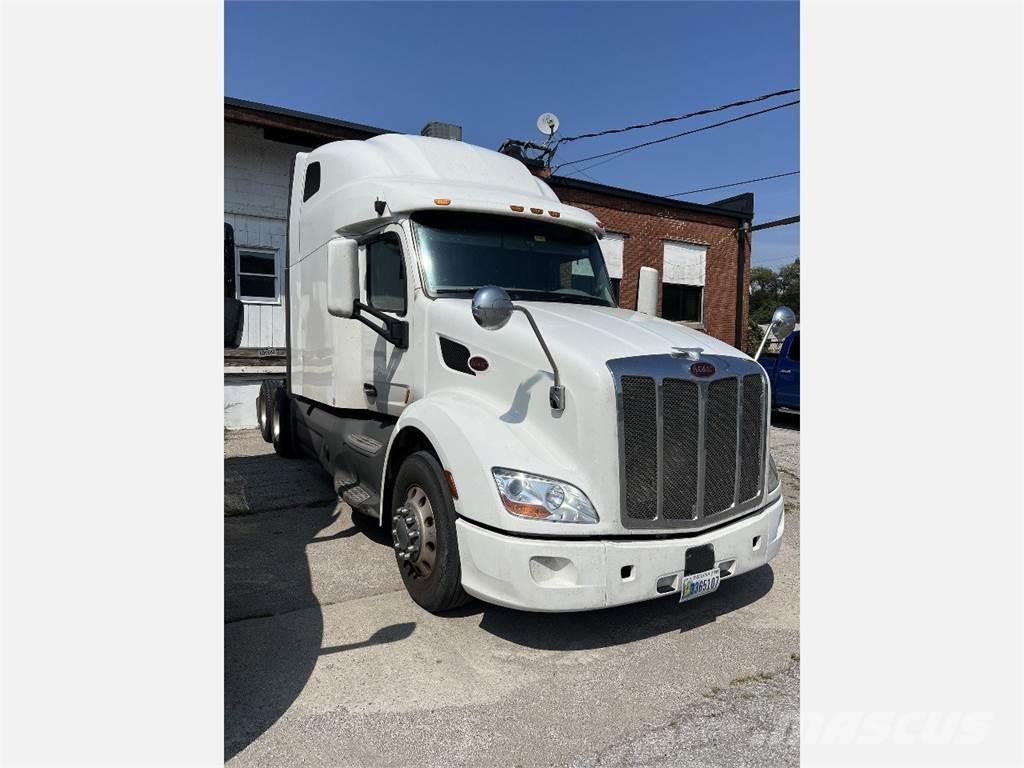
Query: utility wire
(734, 184)
(566, 139)
(619, 152)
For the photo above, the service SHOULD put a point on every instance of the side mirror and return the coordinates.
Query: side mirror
(783, 322)
(342, 277)
(647, 291)
(234, 317)
(492, 307)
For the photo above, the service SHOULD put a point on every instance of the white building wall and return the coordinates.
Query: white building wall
(256, 206)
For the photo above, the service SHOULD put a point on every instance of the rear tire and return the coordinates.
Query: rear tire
(281, 431)
(264, 408)
(422, 505)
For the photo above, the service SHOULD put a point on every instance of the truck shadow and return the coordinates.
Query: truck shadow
(273, 624)
(786, 420)
(625, 624)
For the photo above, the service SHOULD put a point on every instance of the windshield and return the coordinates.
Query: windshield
(532, 260)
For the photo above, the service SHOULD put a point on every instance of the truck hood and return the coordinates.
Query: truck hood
(580, 329)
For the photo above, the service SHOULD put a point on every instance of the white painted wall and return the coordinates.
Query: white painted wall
(240, 393)
(256, 206)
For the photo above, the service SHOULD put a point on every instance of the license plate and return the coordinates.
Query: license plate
(697, 584)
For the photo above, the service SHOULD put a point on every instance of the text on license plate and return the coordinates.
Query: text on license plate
(697, 584)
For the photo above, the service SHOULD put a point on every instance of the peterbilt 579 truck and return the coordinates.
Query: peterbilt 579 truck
(457, 363)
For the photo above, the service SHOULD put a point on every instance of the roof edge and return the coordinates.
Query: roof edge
(304, 117)
(643, 197)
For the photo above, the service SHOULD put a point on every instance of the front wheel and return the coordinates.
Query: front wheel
(423, 534)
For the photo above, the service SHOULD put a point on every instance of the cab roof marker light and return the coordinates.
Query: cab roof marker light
(538, 211)
(517, 208)
(442, 201)
(554, 214)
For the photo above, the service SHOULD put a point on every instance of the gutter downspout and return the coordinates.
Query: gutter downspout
(741, 234)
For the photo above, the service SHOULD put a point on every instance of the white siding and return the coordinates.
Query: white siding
(256, 206)
(684, 263)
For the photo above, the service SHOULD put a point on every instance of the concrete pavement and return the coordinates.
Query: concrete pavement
(329, 663)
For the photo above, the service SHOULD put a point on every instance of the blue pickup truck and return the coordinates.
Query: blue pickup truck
(783, 369)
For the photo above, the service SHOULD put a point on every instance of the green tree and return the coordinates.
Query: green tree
(770, 288)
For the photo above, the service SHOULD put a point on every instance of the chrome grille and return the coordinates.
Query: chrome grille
(690, 448)
(720, 446)
(751, 437)
(680, 403)
(640, 407)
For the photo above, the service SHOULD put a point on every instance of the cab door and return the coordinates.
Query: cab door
(387, 371)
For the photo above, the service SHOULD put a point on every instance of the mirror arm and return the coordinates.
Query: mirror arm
(764, 339)
(556, 395)
(394, 330)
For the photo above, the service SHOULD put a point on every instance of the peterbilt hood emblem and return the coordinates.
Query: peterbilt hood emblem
(702, 369)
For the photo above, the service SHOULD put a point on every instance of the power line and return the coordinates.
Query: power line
(619, 152)
(734, 184)
(662, 121)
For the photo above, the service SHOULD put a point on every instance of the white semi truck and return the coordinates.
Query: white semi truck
(456, 362)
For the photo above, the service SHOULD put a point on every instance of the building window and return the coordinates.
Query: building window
(312, 181)
(682, 291)
(385, 275)
(611, 248)
(257, 276)
(681, 303)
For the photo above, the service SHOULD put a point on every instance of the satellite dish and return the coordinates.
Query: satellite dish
(547, 123)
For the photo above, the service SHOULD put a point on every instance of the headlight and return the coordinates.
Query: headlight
(542, 498)
(773, 474)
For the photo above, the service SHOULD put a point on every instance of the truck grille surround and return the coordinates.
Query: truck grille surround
(692, 450)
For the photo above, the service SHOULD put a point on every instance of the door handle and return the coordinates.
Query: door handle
(369, 390)
(786, 370)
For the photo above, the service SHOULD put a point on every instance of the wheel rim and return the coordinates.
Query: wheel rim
(414, 533)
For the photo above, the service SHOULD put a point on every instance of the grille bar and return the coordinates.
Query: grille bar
(690, 449)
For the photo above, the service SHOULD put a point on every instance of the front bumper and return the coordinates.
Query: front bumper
(566, 575)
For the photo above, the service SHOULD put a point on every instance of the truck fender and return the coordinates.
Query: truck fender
(469, 438)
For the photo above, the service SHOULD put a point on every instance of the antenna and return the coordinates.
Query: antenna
(548, 124)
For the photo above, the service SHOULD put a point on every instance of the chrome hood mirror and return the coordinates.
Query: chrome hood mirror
(492, 307)
(783, 322)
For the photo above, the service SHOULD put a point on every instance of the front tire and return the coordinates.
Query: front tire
(423, 534)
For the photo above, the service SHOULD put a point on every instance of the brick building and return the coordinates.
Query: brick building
(694, 247)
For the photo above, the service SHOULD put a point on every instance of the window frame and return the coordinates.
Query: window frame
(367, 287)
(273, 253)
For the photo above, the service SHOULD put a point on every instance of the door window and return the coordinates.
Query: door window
(385, 275)
(794, 349)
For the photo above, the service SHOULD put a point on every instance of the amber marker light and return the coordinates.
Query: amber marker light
(451, 484)
(517, 208)
(554, 214)
(538, 211)
(442, 201)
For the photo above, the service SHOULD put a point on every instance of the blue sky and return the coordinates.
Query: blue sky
(494, 67)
